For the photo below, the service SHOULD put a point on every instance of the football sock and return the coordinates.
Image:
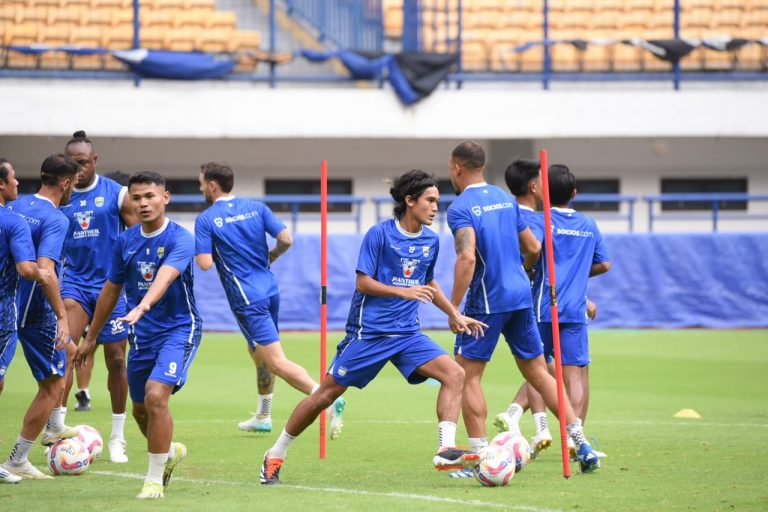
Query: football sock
(576, 433)
(63, 415)
(515, 412)
(280, 449)
(540, 422)
(21, 449)
(55, 422)
(172, 450)
(265, 406)
(156, 467)
(118, 426)
(446, 435)
(314, 388)
(476, 443)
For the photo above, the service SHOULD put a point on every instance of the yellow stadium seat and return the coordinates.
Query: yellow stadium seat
(201, 5)
(157, 18)
(174, 5)
(118, 38)
(67, 16)
(112, 4)
(155, 38)
(218, 41)
(87, 37)
(122, 17)
(21, 35)
(696, 18)
(37, 15)
(222, 19)
(733, 19)
(626, 57)
(248, 40)
(183, 40)
(565, 58)
(54, 35)
(751, 57)
(7, 14)
(193, 18)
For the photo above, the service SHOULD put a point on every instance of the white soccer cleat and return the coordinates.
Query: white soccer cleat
(6, 477)
(117, 450)
(151, 491)
(503, 423)
(26, 471)
(337, 411)
(572, 450)
(181, 454)
(600, 455)
(540, 442)
(257, 423)
(49, 437)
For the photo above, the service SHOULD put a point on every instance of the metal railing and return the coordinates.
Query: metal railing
(618, 199)
(713, 198)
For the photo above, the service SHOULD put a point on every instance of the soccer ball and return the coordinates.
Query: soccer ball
(517, 446)
(91, 439)
(68, 457)
(496, 466)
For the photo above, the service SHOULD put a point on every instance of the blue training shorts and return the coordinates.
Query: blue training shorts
(113, 329)
(7, 350)
(519, 330)
(357, 361)
(40, 350)
(165, 358)
(574, 343)
(258, 321)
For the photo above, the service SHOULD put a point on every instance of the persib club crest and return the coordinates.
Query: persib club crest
(84, 219)
(99, 201)
(409, 266)
(147, 269)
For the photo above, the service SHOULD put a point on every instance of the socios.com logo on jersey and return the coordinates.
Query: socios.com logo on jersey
(477, 210)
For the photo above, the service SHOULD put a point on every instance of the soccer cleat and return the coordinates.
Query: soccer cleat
(117, 450)
(270, 470)
(151, 491)
(180, 455)
(600, 455)
(504, 423)
(26, 471)
(540, 442)
(455, 458)
(337, 410)
(572, 450)
(462, 473)
(256, 424)
(83, 401)
(588, 459)
(49, 438)
(6, 477)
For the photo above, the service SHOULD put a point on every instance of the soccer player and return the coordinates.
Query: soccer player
(42, 325)
(17, 257)
(395, 272)
(232, 234)
(153, 261)
(98, 212)
(484, 220)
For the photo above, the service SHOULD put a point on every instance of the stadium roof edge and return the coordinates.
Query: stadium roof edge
(182, 110)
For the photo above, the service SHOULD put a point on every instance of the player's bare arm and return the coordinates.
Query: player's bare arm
(457, 322)
(368, 285)
(599, 268)
(204, 261)
(464, 269)
(127, 213)
(165, 276)
(53, 294)
(530, 247)
(284, 242)
(108, 297)
(30, 270)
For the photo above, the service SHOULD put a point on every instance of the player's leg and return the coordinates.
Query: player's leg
(265, 383)
(542, 438)
(159, 432)
(582, 413)
(7, 351)
(78, 319)
(117, 384)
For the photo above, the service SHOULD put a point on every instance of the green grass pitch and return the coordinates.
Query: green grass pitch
(639, 380)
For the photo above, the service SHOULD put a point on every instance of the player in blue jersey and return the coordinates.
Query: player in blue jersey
(98, 212)
(488, 228)
(153, 262)
(232, 234)
(42, 324)
(395, 272)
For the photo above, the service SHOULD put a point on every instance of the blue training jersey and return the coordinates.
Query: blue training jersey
(535, 222)
(393, 257)
(94, 224)
(233, 230)
(577, 244)
(15, 246)
(136, 259)
(499, 284)
(49, 229)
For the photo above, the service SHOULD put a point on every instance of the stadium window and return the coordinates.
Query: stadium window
(308, 188)
(702, 186)
(597, 186)
(186, 187)
(445, 187)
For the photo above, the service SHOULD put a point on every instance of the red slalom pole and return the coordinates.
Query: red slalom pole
(553, 307)
(323, 288)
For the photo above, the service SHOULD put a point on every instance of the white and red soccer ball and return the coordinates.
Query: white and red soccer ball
(496, 467)
(517, 446)
(91, 439)
(68, 457)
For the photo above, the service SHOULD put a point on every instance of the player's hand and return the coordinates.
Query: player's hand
(135, 314)
(591, 309)
(62, 334)
(422, 293)
(466, 325)
(87, 345)
(45, 276)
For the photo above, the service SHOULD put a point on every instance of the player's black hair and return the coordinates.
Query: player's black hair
(519, 174)
(146, 177)
(469, 155)
(119, 176)
(562, 183)
(4, 169)
(412, 183)
(220, 173)
(78, 137)
(57, 168)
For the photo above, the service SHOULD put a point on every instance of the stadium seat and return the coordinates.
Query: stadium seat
(565, 58)
(157, 18)
(222, 19)
(54, 35)
(192, 18)
(218, 41)
(66, 16)
(200, 5)
(38, 15)
(87, 37)
(183, 39)
(21, 35)
(155, 38)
